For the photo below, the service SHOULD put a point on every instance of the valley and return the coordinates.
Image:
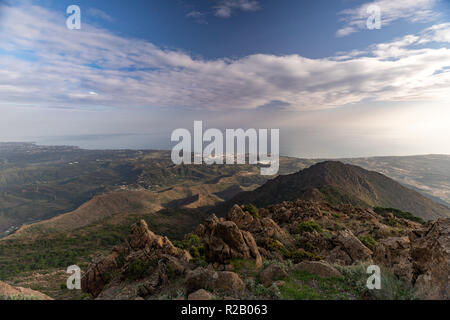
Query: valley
(63, 205)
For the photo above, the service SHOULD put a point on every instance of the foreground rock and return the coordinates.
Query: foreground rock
(8, 292)
(200, 295)
(319, 268)
(394, 253)
(349, 249)
(292, 236)
(143, 253)
(421, 259)
(224, 282)
(430, 254)
(272, 273)
(224, 241)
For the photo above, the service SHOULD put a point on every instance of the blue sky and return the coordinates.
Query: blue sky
(306, 27)
(311, 68)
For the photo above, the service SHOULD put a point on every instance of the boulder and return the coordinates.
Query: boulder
(260, 228)
(430, 254)
(347, 242)
(200, 295)
(272, 273)
(143, 245)
(96, 277)
(215, 281)
(394, 253)
(152, 245)
(320, 268)
(224, 241)
(9, 292)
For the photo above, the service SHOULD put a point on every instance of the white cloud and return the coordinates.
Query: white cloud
(195, 14)
(94, 12)
(410, 10)
(198, 16)
(69, 64)
(225, 8)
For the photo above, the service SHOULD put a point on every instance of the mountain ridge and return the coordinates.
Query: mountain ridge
(336, 182)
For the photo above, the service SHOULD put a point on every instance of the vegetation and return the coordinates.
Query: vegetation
(384, 212)
(18, 297)
(308, 226)
(297, 255)
(195, 246)
(368, 241)
(306, 286)
(300, 255)
(252, 210)
(139, 269)
(276, 246)
(58, 251)
(392, 288)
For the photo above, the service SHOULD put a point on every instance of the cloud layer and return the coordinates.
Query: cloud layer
(225, 8)
(42, 63)
(409, 10)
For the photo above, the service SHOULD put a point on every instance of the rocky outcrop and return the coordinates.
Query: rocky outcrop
(430, 254)
(215, 281)
(200, 295)
(261, 228)
(142, 247)
(272, 273)
(394, 253)
(319, 268)
(230, 250)
(224, 241)
(168, 268)
(348, 249)
(422, 259)
(18, 293)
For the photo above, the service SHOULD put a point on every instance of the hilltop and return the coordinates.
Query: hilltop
(337, 183)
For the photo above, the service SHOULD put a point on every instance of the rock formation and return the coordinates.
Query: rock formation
(18, 293)
(303, 236)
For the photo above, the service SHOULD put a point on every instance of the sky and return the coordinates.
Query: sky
(137, 70)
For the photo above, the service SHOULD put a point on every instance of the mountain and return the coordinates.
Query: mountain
(103, 222)
(338, 183)
(38, 183)
(427, 174)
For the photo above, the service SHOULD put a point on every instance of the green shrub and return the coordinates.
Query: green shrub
(368, 241)
(252, 210)
(18, 297)
(392, 223)
(308, 226)
(392, 288)
(293, 291)
(243, 266)
(398, 213)
(276, 246)
(139, 269)
(195, 246)
(301, 254)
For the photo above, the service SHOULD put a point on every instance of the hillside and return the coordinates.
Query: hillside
(427, 174)
(294, 250)
(42, 250)
(40, 182)
(337, 183)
